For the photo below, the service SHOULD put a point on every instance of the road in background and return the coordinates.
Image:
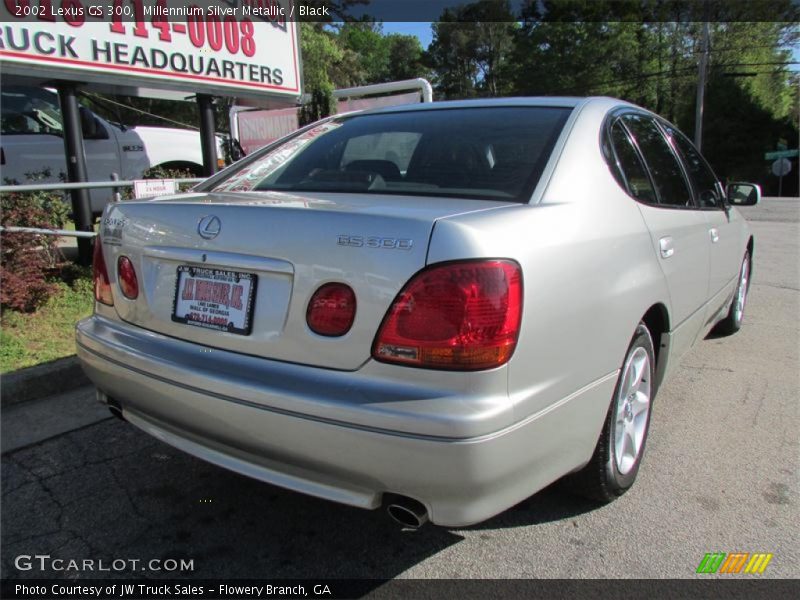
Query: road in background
(720, 474)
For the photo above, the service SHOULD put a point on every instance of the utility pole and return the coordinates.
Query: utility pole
(76, 167)
(208, 140)
(701, 89)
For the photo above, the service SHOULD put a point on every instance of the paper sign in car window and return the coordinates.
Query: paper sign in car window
(249, 178)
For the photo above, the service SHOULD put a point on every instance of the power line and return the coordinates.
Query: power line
(761, 64)
(682, 72)
(138, 110)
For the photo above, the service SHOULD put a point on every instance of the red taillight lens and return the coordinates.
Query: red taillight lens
(331, 309)
(102, 286)
(127, 278)
(462, 316)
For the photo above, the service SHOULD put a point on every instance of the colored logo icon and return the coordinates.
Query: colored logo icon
(735, 562)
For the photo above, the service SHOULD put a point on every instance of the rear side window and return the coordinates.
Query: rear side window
(491, 153)
(663, 165)
(634, 174)
(701, 175)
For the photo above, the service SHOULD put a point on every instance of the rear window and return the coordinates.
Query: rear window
(494, 153)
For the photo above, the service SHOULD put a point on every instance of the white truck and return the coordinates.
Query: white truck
(31, 142)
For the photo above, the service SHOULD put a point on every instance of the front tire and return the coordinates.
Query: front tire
(618, 454)
(733, 320)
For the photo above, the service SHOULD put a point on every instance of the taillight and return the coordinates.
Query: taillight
(102, 286)
(331, 309)
(127, 278)
(461, 316)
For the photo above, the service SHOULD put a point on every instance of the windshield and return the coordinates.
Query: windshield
(494, 153)
(29, 110)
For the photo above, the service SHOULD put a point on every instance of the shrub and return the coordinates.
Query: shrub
(26, 260)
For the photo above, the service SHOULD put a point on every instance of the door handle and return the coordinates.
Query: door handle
(665, 245)
(714, 235)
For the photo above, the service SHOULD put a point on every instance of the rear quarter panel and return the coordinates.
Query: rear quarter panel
(590, 274)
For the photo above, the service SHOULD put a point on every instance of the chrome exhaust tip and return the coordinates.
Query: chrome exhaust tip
(407, 512)
(116, 411)
(112, 405)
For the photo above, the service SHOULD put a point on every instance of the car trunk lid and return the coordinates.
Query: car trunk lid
(283, 247)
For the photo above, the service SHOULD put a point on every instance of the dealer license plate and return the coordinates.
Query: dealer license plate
(215, 299)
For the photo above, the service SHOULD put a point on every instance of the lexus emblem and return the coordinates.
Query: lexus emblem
(209, 227)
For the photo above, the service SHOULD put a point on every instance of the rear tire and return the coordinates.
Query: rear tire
(618, 454)
(733, 321)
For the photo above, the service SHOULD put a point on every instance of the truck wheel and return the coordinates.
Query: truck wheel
(618, 454)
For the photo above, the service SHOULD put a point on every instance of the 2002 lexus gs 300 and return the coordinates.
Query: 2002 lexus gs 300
(441, 308)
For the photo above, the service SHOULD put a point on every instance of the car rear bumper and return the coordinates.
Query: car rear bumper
(351, 454)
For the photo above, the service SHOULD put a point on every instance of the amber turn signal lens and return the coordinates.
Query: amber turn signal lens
(102, 286)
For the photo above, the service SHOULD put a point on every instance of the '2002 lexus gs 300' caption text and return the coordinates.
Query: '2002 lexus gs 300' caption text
(441, 308)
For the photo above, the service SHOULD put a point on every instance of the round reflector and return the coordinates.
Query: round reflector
(331, 309)
(127, 278)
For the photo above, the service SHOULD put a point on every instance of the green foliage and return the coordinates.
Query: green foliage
(322, 55)
(452, 57)
(472, 49)
(321, 105)
(644, 52)
(370, 52)
(48, 333)
(164, 172)
(757, 48)
(27, 261)
(54, 206)
(378, 58)
(352, 54)
(406, 58)
(161, 172)
(322, 60)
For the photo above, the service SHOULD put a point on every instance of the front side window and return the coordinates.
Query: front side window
(661, 161)
(493, 153)
(700, 174)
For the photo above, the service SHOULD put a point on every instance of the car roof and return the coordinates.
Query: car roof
(546, 101)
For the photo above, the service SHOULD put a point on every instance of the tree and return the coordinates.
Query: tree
(471, 48)
(750, 99)
(650, 56)
(371, 51)
(492, 28)
(406, 58)
(320, 53)
(451, 56)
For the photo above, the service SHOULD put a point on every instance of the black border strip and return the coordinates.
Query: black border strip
(734, 588)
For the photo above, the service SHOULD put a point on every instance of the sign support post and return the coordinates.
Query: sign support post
(208, 139)
(76, 168)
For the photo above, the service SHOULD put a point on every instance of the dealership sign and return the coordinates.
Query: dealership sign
(227, 47)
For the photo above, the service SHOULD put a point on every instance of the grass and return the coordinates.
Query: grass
(48, 333)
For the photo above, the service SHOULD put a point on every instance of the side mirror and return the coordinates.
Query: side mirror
(743, 194)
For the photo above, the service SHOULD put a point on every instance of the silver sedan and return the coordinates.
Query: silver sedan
(438, 308)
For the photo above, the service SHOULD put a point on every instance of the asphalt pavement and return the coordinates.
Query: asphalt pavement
(720, 475)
